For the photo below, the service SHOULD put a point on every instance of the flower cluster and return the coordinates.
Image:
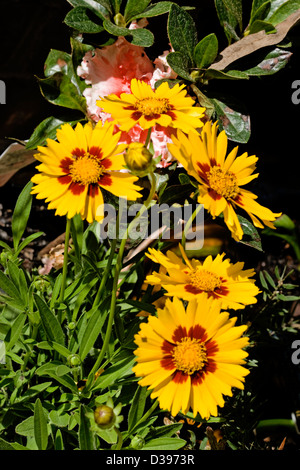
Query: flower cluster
(190, 353)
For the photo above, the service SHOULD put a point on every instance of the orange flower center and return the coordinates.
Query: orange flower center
(150, 106)
(223, 183)
(189, 355)
(86, 170)
(205, 280)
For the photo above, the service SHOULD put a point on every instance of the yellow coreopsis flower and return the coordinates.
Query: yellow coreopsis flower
(168, 107)
(75, 168)
(221, 178)
(191, 358)
(216, 278)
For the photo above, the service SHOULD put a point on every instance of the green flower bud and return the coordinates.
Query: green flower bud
(120, 20)
(74, 360)
(137, 442)
(104, 416)
(138, 159)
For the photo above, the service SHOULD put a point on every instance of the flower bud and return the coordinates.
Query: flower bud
(137, 442)
(138, 158)
(104, 416)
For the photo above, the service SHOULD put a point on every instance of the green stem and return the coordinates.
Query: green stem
(117, 273)
(148, 137)
(120, 439)
(65, 265)
(189, 223)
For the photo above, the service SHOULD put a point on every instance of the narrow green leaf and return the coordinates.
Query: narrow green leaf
(137, 407)
(251, 236)
(92, 332)
(211, 74)
(164, 443)
(40, 426)
(113, 373)
(85, 435)
(269, 278)
(9, 288)
(21, 214)
(206, 51)
(14, 332)
(182, 32)
(49, 322)
(83, 20)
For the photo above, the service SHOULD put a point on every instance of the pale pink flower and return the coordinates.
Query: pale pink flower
(110, 70)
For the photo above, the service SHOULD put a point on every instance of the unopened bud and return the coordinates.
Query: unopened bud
(138, 158)
(104, 416)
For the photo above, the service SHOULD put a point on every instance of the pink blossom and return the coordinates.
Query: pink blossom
(110, 70)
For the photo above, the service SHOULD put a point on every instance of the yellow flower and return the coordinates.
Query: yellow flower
(221, 178)
(168, 107)
(75, 168)
(191, 358)
(216, 278)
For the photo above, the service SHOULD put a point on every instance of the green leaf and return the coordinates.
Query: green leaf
(137, 407)
(83, 20)
(101, 8)
(283, 12)
(164, 443)
(59, 90)
(113, 373)
(235, 123)
(155, 10)
(85, 435)
(10, 289)
(272, 63)
(251, 236)
(260, 9)
(45, 130)
(234, 7)
(142, 37)
(176, 193)
(180, 64)
(14, 332)
(206, 51)
(211, 74)
(182, 32)
(227, 20)
(4, 445)
(40, 426)
(21, 214)
(49, 322)
(260, 25)
(92, 331)
(134, 7)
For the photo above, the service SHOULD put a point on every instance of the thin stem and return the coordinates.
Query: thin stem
(65, 265)
(120, 439)
(148, 137)
(189, 223)
(117, 273)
